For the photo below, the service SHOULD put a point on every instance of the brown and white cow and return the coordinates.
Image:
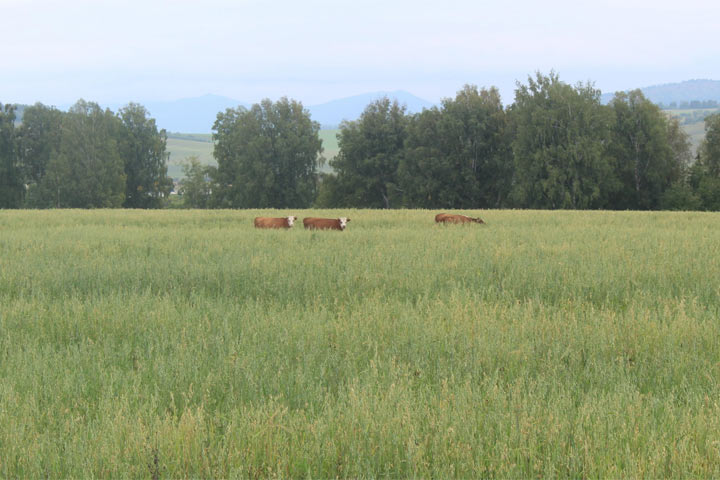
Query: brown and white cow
(446, 218)
(312, 223)
(272, 222)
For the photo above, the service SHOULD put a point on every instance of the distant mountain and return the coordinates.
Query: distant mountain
(197, 115)
(330, 114)
(686, 91)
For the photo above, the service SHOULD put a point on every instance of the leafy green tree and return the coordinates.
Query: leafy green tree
(679, 195)
(38, 141)
(88, 171)
(11, 182)
(559, 146)
(649, 152)
(366, 165)
(143, 149)
(196, 187)
(709, 153)
(267, 156)
(705, 176)
(458, 156)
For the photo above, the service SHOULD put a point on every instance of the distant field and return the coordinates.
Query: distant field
(693, 123)
(330, 145)
(697, 134)
(184, 145)
(187, 344)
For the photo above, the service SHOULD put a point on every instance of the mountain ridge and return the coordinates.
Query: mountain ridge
(685, 91)
(198, 114)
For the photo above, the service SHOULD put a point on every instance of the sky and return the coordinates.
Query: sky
(113, 51)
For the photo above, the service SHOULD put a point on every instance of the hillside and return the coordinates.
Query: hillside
(198, 114)
(686, 91)
(184, 145)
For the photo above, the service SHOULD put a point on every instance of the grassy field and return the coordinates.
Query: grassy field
(188, 344)
(184, 145)
(330, 144)
(693, 123)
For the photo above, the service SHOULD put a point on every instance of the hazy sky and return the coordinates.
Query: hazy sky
(315, 51)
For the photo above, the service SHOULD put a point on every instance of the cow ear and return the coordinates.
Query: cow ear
(347, 220)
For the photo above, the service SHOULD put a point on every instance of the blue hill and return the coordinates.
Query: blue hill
(330, 114)
(686, 91)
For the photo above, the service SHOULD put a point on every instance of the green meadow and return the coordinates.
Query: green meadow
(168, 344)
(181, 146)
(692, 122)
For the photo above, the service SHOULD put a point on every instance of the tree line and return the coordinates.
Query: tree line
(557, 146)
(86, 157)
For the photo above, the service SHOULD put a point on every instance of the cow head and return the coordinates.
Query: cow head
(343, 222)
(477, 220)
(291, 221)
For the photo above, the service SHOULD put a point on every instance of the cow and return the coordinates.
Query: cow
(271, 222)
(312, 223)
(446, 218)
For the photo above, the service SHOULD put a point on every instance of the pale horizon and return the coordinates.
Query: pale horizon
(120, 51)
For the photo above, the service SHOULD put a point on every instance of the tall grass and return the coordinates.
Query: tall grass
(187, 343)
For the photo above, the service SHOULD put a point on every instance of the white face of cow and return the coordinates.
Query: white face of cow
(291, 221)
(343, 222)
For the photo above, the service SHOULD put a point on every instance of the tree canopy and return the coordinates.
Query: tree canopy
(143, 149)
(370, 151)
(559, 146)
(555, 146)
(647, 159)
(11, 184)
(267, 156)
(456, 156)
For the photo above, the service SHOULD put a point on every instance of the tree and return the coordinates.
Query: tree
(705, 174)
(649, 151)
(559, 146)
(38, 141)
(11, 184)
(88, 171)
(267, 156)
(709, 153)
(458, 156)
(143, 149)
(196, 187)
(367, 162)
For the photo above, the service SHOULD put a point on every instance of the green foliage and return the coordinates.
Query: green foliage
(11, 181)
(555, 147)
(458, 156)
(196, 187)
(88, 171)
(39, 140)
(710, 148)
(142, 148)
(648, 151)
(559, 145)
(680, 196)
(705, 174)
(267, 156)
(187, 344)
(367, 162)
